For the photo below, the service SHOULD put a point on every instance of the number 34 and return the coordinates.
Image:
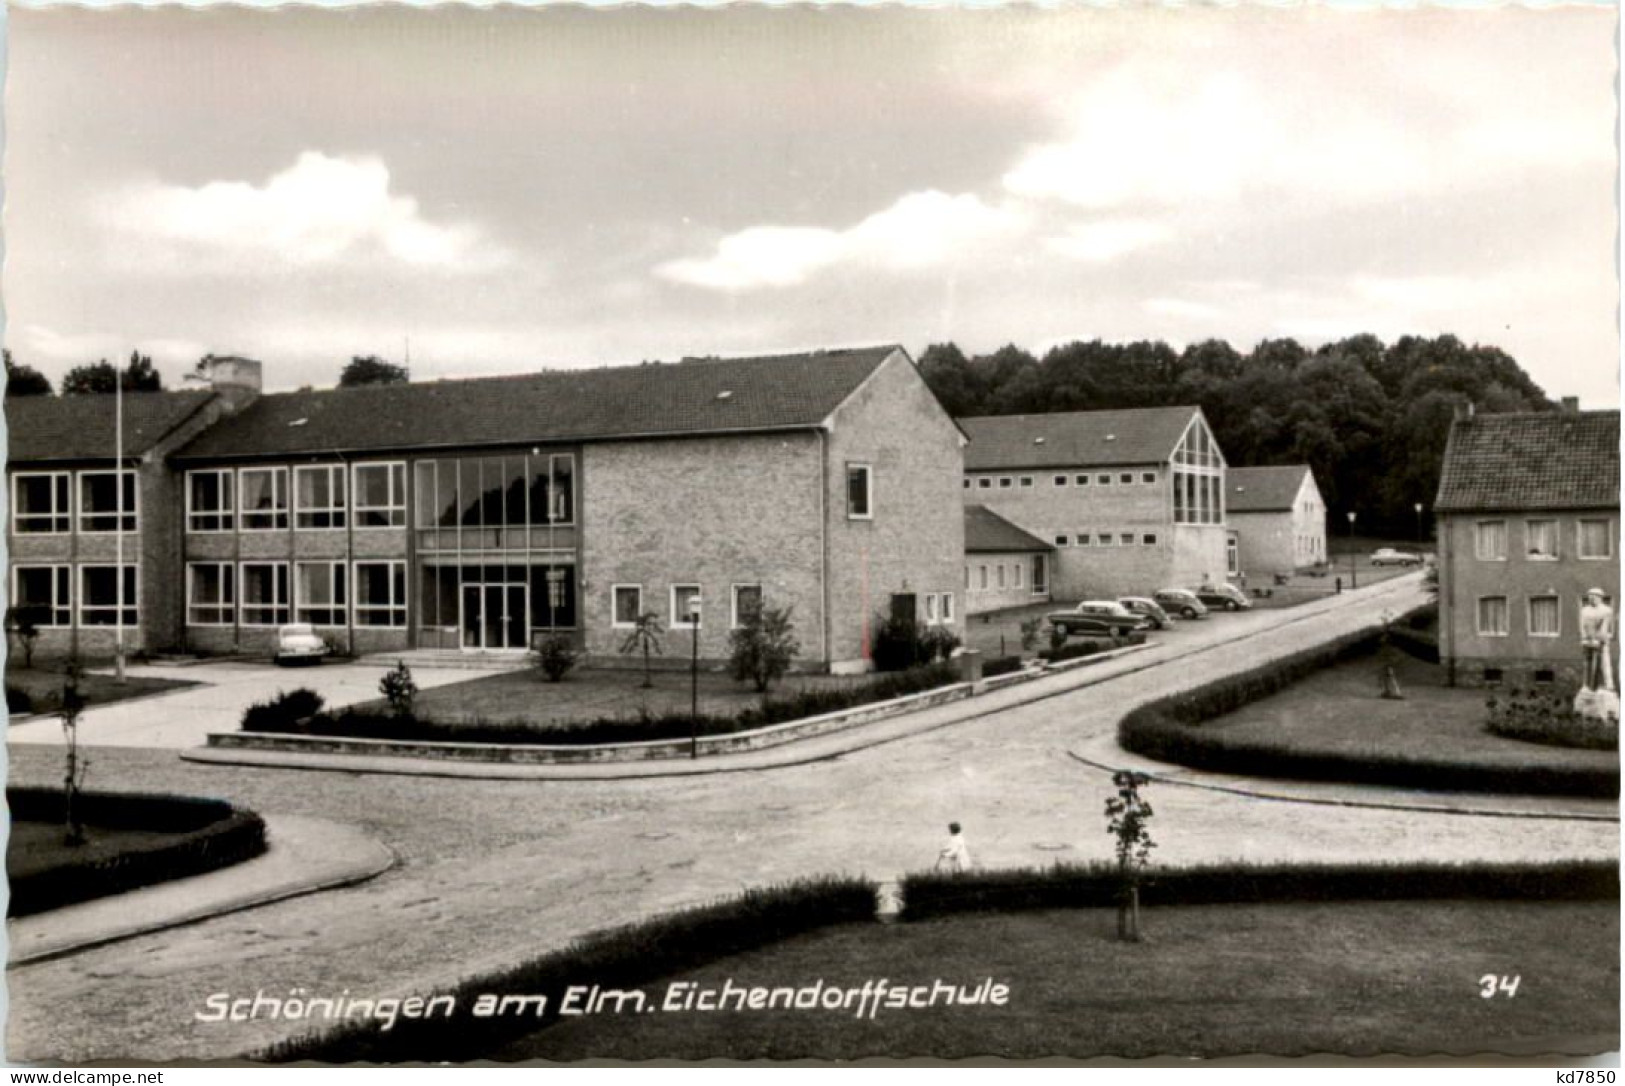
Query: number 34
(1491, 985)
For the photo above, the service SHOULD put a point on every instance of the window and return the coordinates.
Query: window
(1083, 539)
(628, 602)
(380, 495)
(1492, 616)
(1001, 574)
(931, 618)
(1148, 477)
(264, 593)
(39, 503)
(682, 596)
(1061, 540)
(318, 493)
(1492, 674)
(1040, 575)
(1545, 675)
(1596, 539)
(211, 597)
(747, 598)
(209, 503)
(1543, 616)
(1005, 482)
(985, 483)
(1126, 478)
(319, 593)
(45, 591)
(1017, 570)
(262, 500)
(982, 577)
(108, 596)
(967, 482)
(1541, 539)
(1126, 539)
(1026, 480)
(1490, 540)
(1103, 480)
(1104, 539)
(380, 593)
(859, 499)
(948, 608)
(1080, 480)
(1149, 539)
(107, 501)
(1060, 480)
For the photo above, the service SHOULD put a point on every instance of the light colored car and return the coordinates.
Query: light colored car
(1223, 597)
(1388, 556)
(1180, 601)
(1097, 617)
(299, 644)
(1147, 608)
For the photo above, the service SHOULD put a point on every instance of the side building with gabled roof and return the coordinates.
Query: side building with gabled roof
(1004, 566)
(1131, 500)
(1528, 522)
(1278, 517)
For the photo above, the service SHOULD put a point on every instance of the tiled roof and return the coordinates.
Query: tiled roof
(691, 397)
(1263, 490)
(988, 533)
(1074, 438)
(59, 428)
(1546, 460)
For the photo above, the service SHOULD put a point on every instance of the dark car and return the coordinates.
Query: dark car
(1223, 597)
(1098, 618)
(1147, 608)
(1179, 601)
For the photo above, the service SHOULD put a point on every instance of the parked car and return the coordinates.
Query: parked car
(1180, 601)
(1147, 608)
(299, 644)
(1388, 556)
(1097, 617)
(1223, 597)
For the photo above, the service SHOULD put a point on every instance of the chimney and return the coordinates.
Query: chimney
(237, 380)
(1571, 405)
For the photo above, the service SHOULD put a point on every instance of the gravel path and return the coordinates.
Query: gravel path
(493, 871)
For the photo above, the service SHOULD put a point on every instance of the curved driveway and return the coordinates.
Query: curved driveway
(492, 871)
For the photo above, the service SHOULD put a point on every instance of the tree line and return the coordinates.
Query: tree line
(1370, 418)
(140, 375)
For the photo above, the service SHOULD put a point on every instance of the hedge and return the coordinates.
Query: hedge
(1167, 730)
(207, 834)
(624, 958)
(1079, 649)
(1096, 885)
(420, 728)
(1002, 665)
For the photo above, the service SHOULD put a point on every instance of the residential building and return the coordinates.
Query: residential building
(1131, 501)
(486, 514)
(1004, 566)
(1278, 517)
(1528, 521)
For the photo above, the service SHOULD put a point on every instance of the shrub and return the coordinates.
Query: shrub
(399, 688)
(896, 644)
(556, 655)
(762, 648)
(283, 713)
(23, 622)
(1076, 649)
(18, 700)
(1030, 631)
(1057, 639)
(937, 643)
(1546, 715)
(1001, 665)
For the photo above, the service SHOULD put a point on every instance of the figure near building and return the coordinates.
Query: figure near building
(1597, 697)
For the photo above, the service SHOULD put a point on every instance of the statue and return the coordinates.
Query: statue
(1597, 698)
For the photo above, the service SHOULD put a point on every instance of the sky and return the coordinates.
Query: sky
(497, 191)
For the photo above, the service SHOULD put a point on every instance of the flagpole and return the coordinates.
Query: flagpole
(118, 504)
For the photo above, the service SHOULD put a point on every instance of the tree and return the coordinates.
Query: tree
(73, 780)
(139, 376)
(399, 689)
(1127, 813)
(763, 646)
(24, 380)
(372, 370)
(644, 638)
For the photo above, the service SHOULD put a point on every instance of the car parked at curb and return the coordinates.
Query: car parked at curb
(1147, 608)
(1096, 617)
(1180, 601)
(299, 644)
(1388, 556)
(1223, 597)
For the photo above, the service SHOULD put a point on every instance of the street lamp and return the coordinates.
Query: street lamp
(1418, 508)
(1353, 569)
(694, 679)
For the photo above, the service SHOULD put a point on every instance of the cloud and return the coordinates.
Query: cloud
(1100, 242)
(320, 210)
(1181, 309)
(921, 230)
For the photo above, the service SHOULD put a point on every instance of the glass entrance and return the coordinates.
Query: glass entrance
(494, 616)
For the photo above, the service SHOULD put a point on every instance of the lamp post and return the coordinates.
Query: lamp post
(1353, 568)
(1418, 508)
(694, 679)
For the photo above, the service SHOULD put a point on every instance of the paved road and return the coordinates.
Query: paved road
(492, 871)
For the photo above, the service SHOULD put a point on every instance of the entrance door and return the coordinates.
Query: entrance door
(494, 616)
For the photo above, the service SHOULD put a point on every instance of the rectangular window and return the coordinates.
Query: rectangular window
(380, 496)
(107, 501)
(1148, 477)
(859, 499)
(967, 482)
(985, 483)
(931, 618)
(106, 598)
(319, 596)
(1103, 480)
(1104, 539)
(262, 500)
(682, 597)
(318, 493)
(1083, 539)
(1061, 541)
(1544, 620)
(1596, 539)
(46, 592)
(1126, 478)
(628, 605)
(1026, 480)
(211, 597)
(1019, 574)
(1490, 540)
(40, 503)
(747, 599)
(1060, 480)
(1492, 616)
(1148, 540)
(1000, 568)
(210, 506)
(948, 607)
(1126, 539)
(1040, 575)
(1080, 480)
(1541, 539)
(380, 593)
(263, 596)
(1005, 482)
(562, 509)
(981, 577)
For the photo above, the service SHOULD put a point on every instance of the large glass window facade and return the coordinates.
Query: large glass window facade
(479, 502)
(107, 501)
(493, 605)
(40, 503)
(106, 598)
(1198, 478)
(318, 492)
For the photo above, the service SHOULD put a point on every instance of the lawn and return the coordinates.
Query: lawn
(44, 686)
(1339, 710)
(1355, 978)
(38, 846)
